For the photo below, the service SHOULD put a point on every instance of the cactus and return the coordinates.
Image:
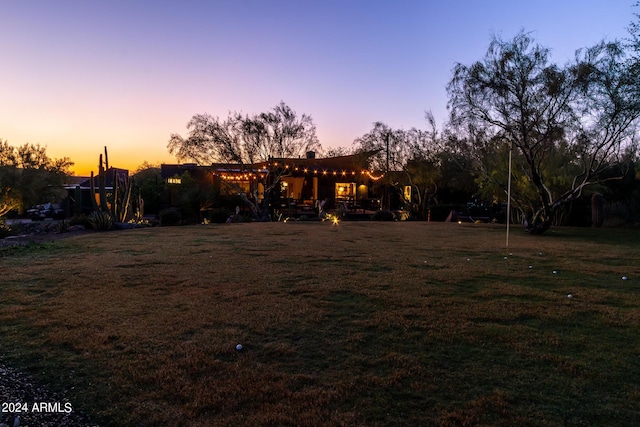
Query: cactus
(121, 197)
(118, 201)
(597, 210)
(102, 180)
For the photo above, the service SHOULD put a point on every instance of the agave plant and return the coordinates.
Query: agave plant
(100, 220)
(63, 226)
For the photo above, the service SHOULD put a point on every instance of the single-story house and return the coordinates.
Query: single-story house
(340, 182)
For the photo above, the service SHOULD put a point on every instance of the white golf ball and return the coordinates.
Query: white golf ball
(555, 272)
(624, 277)
(239, 347)
(531, 266)
(570, 296)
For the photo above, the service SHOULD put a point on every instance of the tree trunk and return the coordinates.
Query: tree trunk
(538, 227)
(597, 210)
(252, 206)
(264, 217)
(533, 224)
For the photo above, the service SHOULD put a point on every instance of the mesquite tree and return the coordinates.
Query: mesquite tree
(414, 152)
(583, 113)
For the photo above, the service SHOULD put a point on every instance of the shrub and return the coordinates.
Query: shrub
(217, 215)
(170, 217)
(80, 220)
(402, 215)
(101, 221)
(383, 216)
(5, 230)
(63, 226)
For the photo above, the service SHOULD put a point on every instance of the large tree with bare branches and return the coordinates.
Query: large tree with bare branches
(566, 125)
(414, 152)
(248, 142)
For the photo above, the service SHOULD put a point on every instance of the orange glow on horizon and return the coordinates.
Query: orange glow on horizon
(85, 165)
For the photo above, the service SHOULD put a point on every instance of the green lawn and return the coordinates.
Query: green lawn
(360, 323)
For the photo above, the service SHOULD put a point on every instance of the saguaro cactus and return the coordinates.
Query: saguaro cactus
(118, 201)
(121, 197)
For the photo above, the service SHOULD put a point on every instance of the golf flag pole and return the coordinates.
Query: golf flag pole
(509, 198)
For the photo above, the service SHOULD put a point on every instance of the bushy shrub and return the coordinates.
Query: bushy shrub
(170, 217)
(5, 230)
(402, 215)
(383, 216)
(217, 215)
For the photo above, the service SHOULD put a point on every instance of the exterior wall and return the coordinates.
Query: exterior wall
(307, 181)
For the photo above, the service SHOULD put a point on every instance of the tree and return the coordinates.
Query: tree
(634, 32)
(150, 187)
(566, 125)
(457, 182)
(29, 176)
(248, 142)
(337, 152)
(414, 152)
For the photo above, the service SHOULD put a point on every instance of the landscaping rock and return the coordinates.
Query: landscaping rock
(19, 388)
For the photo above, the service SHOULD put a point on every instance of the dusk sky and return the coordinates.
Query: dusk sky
(79, 75)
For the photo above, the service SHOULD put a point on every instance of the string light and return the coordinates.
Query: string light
(264, 172)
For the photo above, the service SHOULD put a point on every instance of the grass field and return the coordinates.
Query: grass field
(360, 323)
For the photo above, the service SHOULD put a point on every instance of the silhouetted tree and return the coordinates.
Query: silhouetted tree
(249, 142)
(413, 152)
(28, 176)
(565, 124)
(150, 187)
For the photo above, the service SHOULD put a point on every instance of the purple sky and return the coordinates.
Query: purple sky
(79, 75)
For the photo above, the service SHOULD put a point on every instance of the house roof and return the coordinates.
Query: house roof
(109, 175)
(352, 161)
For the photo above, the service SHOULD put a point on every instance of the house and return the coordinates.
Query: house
(343, 182)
